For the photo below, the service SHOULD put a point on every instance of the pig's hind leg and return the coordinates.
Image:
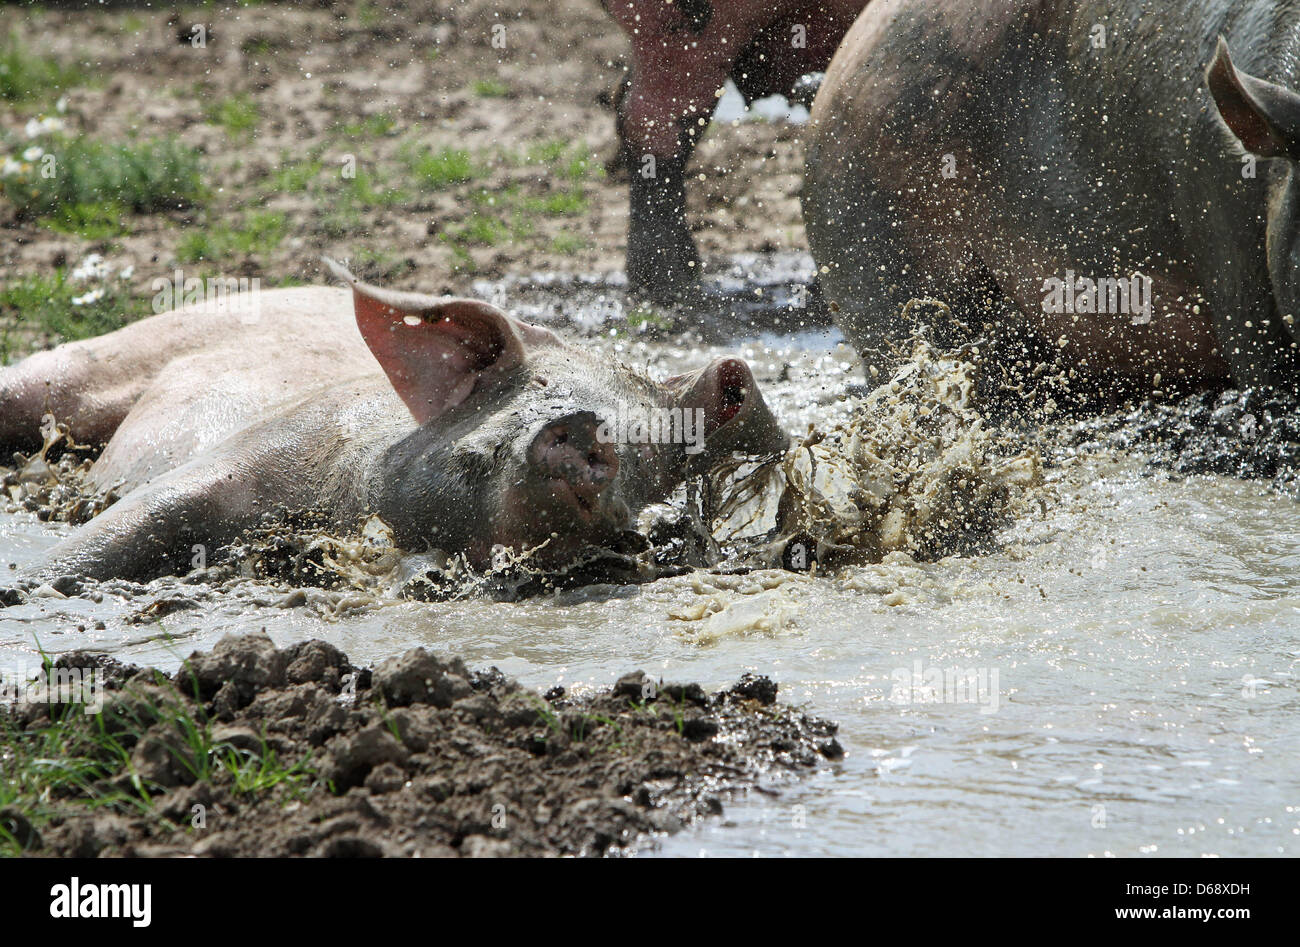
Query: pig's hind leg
(88, 385)
(663, 109)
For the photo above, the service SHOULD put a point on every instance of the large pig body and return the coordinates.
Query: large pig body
(1008, 157)
(682, 55)
(461, 427)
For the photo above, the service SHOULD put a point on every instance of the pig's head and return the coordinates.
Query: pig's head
(523, 438)
(1265, 118)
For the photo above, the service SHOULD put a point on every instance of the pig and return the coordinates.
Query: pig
(1114, 180)
(461, 427)
(682, 55)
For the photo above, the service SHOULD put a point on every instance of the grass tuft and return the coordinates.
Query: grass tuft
(436, 170)
(83, 759)
(62, 309)
(25, 77)
(490, 88)
(261, 232)
(145, 177)
(237, 114)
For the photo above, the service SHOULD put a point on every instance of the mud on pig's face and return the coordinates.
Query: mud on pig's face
(526, 440)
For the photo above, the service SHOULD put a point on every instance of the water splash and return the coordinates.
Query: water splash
(915, 469)
(58, 489)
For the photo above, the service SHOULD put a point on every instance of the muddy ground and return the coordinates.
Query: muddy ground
(300, 753)
(430, 758)
(283, 95)
(1251, 434)
(472, 163)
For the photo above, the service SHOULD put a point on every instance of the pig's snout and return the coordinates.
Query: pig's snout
(569, 453)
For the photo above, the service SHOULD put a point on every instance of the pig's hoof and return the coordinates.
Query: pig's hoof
(672, 286)
(663, 265)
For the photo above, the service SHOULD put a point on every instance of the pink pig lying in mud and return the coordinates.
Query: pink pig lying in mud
(461, 427)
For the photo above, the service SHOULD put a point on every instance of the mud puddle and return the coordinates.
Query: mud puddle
(1111, 670)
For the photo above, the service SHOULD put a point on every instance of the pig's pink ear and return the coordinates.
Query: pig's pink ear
(736, 418)
(438, 351)
(1265, 117)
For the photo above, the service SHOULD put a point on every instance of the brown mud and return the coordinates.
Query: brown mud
(417, 757)
(1250, 434)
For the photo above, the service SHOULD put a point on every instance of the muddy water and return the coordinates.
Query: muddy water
(1118, 676)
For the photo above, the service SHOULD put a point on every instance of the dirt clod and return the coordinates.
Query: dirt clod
(755, 687)
(251, 750)
(419, 677)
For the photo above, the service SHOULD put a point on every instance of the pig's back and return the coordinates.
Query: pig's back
(205, 375)
(275, 317)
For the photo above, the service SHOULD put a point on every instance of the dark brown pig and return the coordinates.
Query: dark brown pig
(682, 55)
(1116, 178)
(461, 427)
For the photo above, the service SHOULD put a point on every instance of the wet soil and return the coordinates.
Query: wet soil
(417, 756)
(1251, 434)
(373, 80)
